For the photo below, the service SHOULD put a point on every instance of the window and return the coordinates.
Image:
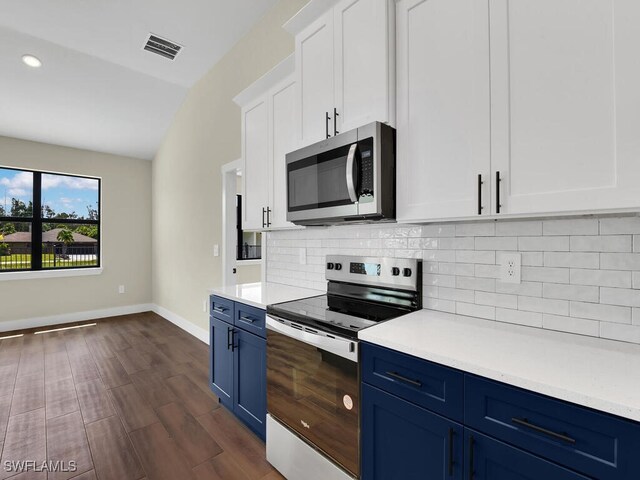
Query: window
(248, 243)
(48, 221)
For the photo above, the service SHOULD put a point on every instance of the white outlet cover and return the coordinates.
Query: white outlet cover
(216, 250)
(303, 256)
(510, 268)
(121, 289)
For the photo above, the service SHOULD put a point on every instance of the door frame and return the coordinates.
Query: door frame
(229, 173)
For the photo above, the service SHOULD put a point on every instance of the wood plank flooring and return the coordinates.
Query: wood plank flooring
(125, 399)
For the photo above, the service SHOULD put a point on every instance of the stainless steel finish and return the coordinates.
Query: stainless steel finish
(384, 280)
(380, 207)
(342, 347)
(351, 185)
(295, 459)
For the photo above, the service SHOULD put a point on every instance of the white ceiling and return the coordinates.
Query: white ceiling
(98, 89)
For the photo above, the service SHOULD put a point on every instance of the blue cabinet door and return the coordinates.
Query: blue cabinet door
(250, 371)
(489, 459)
(221, 357)
(401, 441)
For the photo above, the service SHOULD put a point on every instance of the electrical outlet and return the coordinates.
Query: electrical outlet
(510, 267)
(303, 256)
(121, 289)
(204, 305)
(216, 250)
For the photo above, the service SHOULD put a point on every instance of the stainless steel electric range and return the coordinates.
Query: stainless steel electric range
(312, 363)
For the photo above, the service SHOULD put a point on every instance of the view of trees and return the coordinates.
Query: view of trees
(21, 209)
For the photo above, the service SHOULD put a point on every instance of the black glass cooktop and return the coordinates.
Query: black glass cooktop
(337, 314)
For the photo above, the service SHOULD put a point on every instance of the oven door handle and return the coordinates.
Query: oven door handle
(351, 181)
(338, 346)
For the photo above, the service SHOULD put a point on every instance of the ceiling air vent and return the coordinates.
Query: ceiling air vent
(162, 46)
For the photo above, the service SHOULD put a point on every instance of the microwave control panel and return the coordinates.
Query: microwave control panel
(366, 167)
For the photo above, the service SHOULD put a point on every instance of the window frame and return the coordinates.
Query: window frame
(37, 222)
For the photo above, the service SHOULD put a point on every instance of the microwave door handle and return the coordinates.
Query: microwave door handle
(351, 185)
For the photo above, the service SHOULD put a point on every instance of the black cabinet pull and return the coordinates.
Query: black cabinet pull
(498, 180)
(233, 339)
(229, 337)
(263, 222)
(525, 423)
(268, 217)
(480, 182)
(451, 433)
(404, 379)
(472, 444)
(335, 121)
(326, 123)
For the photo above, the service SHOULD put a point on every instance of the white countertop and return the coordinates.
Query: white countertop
(597, 373)
(261, 294)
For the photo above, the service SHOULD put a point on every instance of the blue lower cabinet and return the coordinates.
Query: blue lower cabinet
(489, 459)
(221, 357)
(250, 370)
(402, 441)
(238, 362)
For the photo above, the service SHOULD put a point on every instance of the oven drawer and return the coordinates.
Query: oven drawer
(251, 319)
(594, 443)
(437, 388)
(221, 308)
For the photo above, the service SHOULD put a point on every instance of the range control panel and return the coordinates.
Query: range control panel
(391, 272)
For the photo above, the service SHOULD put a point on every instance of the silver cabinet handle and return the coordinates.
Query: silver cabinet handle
(247, 319)
(351, 185)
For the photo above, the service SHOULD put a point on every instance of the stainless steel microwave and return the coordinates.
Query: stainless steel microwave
(346, 178)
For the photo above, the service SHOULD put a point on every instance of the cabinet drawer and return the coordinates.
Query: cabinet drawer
(590, 442)
(437, 388)
(251, 319)
(221, 308)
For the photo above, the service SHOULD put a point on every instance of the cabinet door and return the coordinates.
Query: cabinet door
(250, 371)
(221, 356)
(314, 78)
(401, 441)
(364, 62)
(443, 133)
(565, 104)
(489, 459)
(255, 153)
(283, 137)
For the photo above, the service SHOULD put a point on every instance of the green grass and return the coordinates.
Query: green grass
(19, 262)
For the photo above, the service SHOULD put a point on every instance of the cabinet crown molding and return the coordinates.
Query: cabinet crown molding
(307, 14)
(269, 80)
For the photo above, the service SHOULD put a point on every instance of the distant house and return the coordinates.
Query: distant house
(20, 242)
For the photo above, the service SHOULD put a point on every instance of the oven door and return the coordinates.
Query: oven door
(322, 180)
(312, 388)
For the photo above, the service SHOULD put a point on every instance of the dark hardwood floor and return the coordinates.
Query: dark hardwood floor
(125, 399)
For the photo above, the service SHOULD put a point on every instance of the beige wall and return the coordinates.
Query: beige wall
(187, 200)
(126, 235)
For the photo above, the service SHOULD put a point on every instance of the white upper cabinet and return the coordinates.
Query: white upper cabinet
(283, 140)
(256, 168)
(443, 133)
(314, 73)
(345, 66)
(539, 97)
(364, 49)
(566, 104)
(269, 123)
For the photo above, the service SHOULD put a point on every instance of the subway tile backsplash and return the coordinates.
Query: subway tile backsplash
(579, 275)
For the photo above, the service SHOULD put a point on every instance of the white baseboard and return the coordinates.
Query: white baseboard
(37, 322)
(198, 332)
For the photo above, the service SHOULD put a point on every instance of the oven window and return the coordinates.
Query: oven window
(319, 181)
(316, 394)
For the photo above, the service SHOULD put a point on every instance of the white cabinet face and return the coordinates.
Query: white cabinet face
(363, 58)
(443, 135)
(283, 122)
(314, 67)
(566, 104)
(256, 167)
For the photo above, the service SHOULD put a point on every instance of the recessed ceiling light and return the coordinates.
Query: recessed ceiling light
(31, 61)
